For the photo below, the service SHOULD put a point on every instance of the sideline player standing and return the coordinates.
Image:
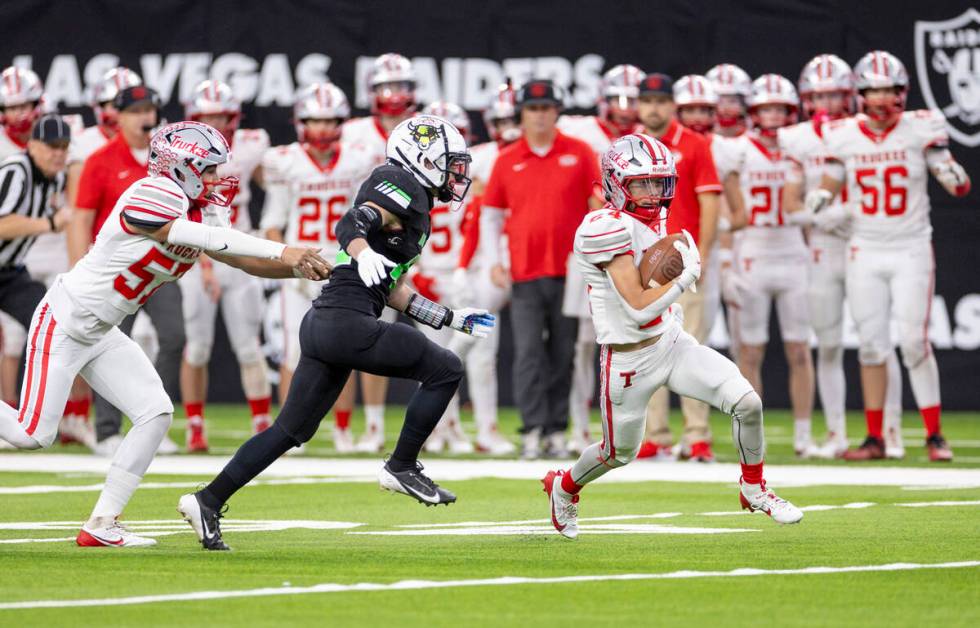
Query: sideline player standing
(310, 184)
(884, 156)
(392, 83)
(205, 285)
(382, 236)
(154, 234)
(827, 93)
(643, 345)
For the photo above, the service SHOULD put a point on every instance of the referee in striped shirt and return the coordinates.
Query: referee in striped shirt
(32, 183)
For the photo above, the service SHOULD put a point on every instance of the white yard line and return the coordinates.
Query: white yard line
(412, 585)
(362, 469)
(85, 488)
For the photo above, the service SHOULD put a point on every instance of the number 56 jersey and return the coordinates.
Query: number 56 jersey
(887, 174)
(306, 199)
(124, 267)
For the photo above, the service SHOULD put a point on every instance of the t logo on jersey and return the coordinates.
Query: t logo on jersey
(627, 378)
(947, 59)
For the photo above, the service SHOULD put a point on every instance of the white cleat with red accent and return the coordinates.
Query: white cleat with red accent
(564, 511)
(110, 533)
(758, 498)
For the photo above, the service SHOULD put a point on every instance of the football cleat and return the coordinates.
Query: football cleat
(806, 450)
(555, 447)
(871, 449)
(114, 534)
(701, 452)
(343, 440)
(938, 449)
(780, 510)
(656, 451)
(371, 444)
(894, 445)
(531, 444)
(436, 441)
(205, 521)
(833, 447)
(495, 444)
(197, 440)
(167, 446)
(415, 484)
(564, 512)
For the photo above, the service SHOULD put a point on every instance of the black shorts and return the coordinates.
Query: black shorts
(19, 294)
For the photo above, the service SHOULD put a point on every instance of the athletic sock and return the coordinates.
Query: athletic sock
(874, 419)
(375, 420)
(71, 408)
(342, 419)
(425, 408)
(83, 407)
(931, 418)
(251, 459)
(752, 473)
(801, 432)
(194, 409)
(260, 406)
(568, 485)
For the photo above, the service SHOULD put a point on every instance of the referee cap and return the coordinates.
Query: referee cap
(51, 129)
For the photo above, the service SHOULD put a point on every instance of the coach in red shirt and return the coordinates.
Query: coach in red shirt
(107, 173)
(694, 208)
(539, 188)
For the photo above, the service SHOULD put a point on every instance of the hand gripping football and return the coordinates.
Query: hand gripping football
(662, 262)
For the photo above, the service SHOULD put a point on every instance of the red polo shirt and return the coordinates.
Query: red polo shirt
(695, 174)
(107, 173)
(547, 197)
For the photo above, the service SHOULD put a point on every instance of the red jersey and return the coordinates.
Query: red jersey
(547, 197)
(696, 174)
(108, 172)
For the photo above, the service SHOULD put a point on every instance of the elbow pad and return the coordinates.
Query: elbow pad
(357, 223)
(652, 311)
(222, 240)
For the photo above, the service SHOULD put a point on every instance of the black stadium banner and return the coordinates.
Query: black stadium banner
(463, 50)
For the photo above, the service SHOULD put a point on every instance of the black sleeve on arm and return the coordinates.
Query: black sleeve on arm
(357, 223)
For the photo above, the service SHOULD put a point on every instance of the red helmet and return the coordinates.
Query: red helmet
(881, 70)
(773, 89)
(392, 82)
(825, 74)
(618, 91)
(20, 86)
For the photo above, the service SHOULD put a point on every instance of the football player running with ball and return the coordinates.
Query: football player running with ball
(380, 238)
(642, 344)
(156, 232)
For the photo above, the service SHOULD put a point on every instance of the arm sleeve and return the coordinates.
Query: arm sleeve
(601, 238)
(705, 173)
(652, 311)
(357, 223)
(11, 188)
(89, 187)
(153, 204)
(223, 240)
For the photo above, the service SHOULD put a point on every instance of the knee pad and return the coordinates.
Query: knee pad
(159, 406)
(913, 353)
(197, 353)
(249, 351)
(830, 354)
(873, 354)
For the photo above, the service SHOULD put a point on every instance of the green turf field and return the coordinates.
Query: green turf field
(291, 537)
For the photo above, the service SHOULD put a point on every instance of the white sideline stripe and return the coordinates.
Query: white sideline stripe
(549, 530)
(444, 470)
(975, 502)
(410, 585)
(86, 488)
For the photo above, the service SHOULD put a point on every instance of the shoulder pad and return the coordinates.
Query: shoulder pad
(396, 190)
(930, 127)
(602, 236)
(155, 201)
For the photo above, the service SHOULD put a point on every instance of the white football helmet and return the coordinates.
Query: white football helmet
(392, 82)
(695, 90)
(320, 101)
(213, 97)
(183, 151)
(434, 151)
(20, 86)
(826, 73)
(452, 112)
(501, 109)
(773, 89)
(104, 91)
(881, 70)
(733, 86)
(618, 92)
(641, 159)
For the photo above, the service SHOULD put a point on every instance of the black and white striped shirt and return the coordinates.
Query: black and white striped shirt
(24, 190)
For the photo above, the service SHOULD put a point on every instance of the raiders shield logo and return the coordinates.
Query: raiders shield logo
(947, 59)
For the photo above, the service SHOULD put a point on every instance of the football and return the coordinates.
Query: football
(661, 262)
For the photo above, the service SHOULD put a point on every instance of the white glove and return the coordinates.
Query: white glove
(950, 174)
(677, 311)
(733, 287)
(371, 266)
(462, 291)
(473, 321)
(692, 263)
(816, 201)
(834, 219)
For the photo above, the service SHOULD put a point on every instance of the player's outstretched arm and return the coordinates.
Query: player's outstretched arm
(472, 321)
(296, 261)
(948, 172)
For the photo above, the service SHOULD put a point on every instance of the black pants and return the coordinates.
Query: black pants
(165, 309)
(334, 342)
(544, 347)
(19, 294)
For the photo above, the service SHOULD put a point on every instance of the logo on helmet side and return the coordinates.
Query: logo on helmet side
(947, 60)
(424, 134)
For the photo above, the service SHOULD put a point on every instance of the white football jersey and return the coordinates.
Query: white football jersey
(589, 129)
(369, 134)
(85, 143)
(887, 174)
(306, 200)
(604, 234)
(8, 146)
(123, 268)
(762, 176)
(247, 149)
(483, 157)
(441, 252)
(727, 153)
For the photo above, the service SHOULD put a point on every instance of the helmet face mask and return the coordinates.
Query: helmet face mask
(639, 177)
(826, 105)
(321, 134)
(323, 102)
(827, 88)
(392, 84)
(773, 104)
(883, 104)
(21, 93)
(698, 118)
(434, 151)
(882, 83)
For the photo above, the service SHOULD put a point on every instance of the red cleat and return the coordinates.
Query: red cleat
(701, 452)
(649, 449)
(197, 441)
(871, 449)
(938, 449)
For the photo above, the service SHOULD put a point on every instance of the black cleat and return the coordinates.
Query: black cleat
(204, 520)
(415, 484)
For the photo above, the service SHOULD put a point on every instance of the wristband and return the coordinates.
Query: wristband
(428, 312)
